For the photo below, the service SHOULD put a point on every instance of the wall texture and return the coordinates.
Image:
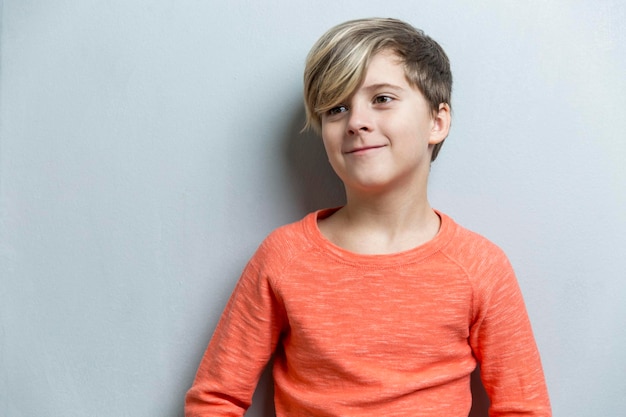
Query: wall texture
(147, 146)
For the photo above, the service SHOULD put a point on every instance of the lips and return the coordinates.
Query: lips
(363, 149)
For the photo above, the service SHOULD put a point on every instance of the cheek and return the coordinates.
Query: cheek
(331, 138)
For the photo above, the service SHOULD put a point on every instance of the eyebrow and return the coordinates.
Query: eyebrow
(382, 86)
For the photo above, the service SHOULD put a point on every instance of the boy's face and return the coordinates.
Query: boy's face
(382, 136)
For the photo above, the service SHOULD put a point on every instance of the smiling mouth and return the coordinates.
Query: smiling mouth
(365, 149)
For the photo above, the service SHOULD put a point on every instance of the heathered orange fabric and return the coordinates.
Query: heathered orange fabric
(373, 335)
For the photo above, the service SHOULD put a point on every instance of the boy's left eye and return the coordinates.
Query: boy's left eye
(382, 99)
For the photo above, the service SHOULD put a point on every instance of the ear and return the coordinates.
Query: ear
(440, 124)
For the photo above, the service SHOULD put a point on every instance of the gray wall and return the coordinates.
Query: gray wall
(148, 146)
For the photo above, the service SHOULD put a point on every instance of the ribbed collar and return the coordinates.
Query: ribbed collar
(446, 232)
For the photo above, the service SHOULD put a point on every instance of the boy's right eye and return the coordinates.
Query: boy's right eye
(337, 110)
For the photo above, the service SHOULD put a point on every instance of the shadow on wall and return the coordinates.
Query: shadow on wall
(480, 400)
(313, 182)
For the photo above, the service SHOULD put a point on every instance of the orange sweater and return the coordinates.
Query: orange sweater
(373, 335)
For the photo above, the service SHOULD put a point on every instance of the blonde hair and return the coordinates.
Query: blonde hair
(337, 63)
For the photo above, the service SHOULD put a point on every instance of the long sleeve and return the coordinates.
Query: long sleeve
(240, 348)
(502, 341)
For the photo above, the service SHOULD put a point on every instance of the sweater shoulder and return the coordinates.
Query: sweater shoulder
(475, 253)
(281, 246)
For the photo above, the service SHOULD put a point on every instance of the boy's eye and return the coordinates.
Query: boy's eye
(382, 99)
(337, 110)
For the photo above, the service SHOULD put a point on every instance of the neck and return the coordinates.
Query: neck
(383, 223)
(390, 214)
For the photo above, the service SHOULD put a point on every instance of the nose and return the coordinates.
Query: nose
(359, 120)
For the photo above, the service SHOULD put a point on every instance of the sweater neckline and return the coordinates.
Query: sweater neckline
(321, 243)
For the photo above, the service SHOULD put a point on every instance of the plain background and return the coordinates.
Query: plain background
(148, 146)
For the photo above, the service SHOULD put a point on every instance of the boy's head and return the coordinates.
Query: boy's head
(337, 63)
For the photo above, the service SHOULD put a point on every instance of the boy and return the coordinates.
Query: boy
(382, 307)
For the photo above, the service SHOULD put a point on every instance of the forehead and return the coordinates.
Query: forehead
(385, 67)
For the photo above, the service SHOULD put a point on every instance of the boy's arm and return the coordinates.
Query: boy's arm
(502, 340)
(239, 350)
